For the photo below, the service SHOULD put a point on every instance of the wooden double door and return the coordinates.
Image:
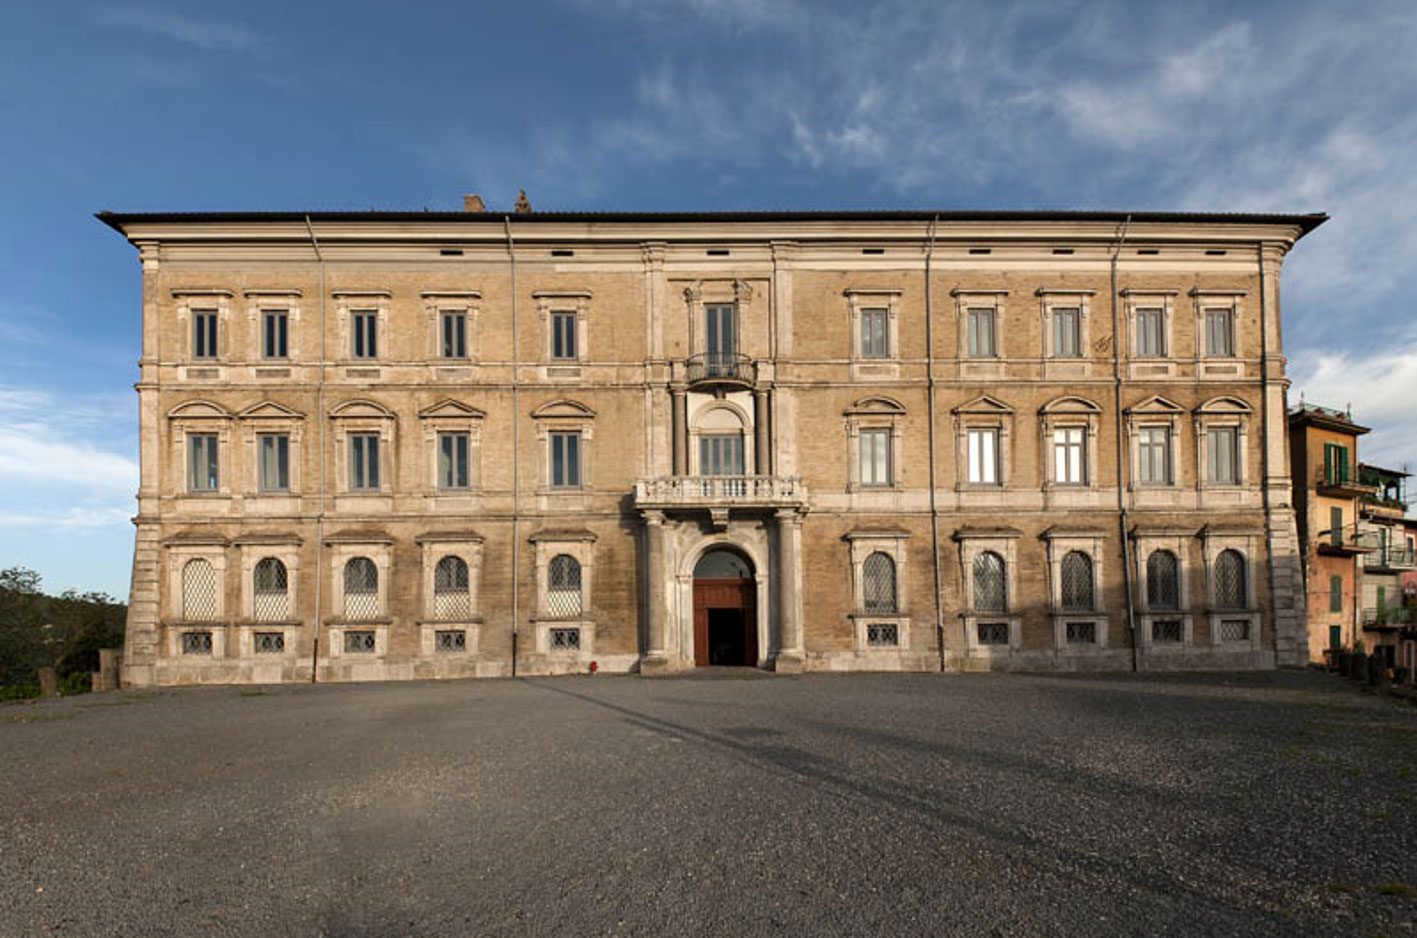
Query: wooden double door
(725, 622)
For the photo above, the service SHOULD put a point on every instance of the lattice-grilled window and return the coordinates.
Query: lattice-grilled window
(359, 641)
(878, 579)
(1163, 581)
(1077, 582)
(1082, 633)
(1230, 585)
(1234, 630)
(268, 643)
(563, 593)
(361, 589)
(199, 590)
(990, 593)
(565, 639)
(451, 599)
(196, 643)
(270, 591)
(993, 633)
(883, 635)
(1166, 632)
(449, 640)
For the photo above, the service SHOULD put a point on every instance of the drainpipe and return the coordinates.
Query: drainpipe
(1121, 443)
(320, 421)
(516, 449)
(930, 409)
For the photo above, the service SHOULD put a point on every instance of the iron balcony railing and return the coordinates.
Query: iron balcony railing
(1391, 558)
(672, 491)
(715, 368)
(1390, 615)
(1348, 540)
(1339, 480)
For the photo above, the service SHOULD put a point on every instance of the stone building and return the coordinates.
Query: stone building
(385, 445)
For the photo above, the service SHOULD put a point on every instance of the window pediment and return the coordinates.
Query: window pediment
(1070, 404)
(271, 410)
(984, 404)
(451, 408)
(205, 410)
(1156, 406)
(876, 405)
(1224, 405)
(563, 408)
(361, 408)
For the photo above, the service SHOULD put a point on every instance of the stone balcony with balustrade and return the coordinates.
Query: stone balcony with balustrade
(718, 494)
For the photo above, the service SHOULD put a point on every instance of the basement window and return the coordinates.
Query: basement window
(565, 639)
(883, 635)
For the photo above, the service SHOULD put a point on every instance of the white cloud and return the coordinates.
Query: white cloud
(48, 445)
(207, 35)
(69, 519)
(1379, 388)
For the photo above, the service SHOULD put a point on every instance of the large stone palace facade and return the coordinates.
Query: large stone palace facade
(386, 445)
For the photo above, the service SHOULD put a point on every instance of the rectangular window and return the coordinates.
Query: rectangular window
(875, 457)
(720, 335)
(1154, 455)
(1220, 332)
(1222, 456)
(1234, 630)
(275, 333)
(273, 451)
(454, 322)
(566, 460)
(366, 333)
(364, 462)
(721, 455)
(981, 333)
(1335, 463)
(984, 456)
(204, 333)
(1151, 334)
(452, 460)
(1335, 594)
(202, 462)
(565, 639)
(268, 643)
(1166, 632)
(1069, 456)
(873, 333)
(883, 635)
(196, 643)
(1082, 633)
(993, 633)
(359, 642)
(449, 640)
(1067, 333)
(563, 335)
(1335, 526)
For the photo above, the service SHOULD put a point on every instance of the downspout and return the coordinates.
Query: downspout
(1121, 444)
(516, 450)
(320, 420)
(1264, 475)
(930, 410)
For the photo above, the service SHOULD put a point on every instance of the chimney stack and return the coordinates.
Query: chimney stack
(473, 203)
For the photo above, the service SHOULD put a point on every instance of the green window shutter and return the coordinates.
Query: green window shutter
(1342, 463)
(1335, 526)
(1328, 462)
(1335, 594)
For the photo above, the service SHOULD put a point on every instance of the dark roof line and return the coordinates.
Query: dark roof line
(1305, 223)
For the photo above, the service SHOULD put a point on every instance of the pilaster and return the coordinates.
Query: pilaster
(789, 657)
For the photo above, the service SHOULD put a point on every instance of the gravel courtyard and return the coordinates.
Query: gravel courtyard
(717, 804)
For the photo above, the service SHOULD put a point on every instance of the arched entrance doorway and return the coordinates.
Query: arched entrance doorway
(725, 610)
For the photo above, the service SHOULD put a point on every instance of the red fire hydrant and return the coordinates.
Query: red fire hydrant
(594, 667)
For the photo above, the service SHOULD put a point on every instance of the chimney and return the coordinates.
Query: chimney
(523, 203)
(473, 203)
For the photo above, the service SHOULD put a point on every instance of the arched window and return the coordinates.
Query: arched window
(563, 584)
(878, 581)
(1163, 581)
(1230, 580)
(270, 586)
(199, 591)
(361, 589)
(1077, 582)
(450, 595)
(990, 592)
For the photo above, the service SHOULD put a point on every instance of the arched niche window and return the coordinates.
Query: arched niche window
(878, 582)
(361, 589)
(990, 588)
(721, 444)
(563, 575)
(1163, 581)
(1077, 591)
(1230, 580)
(451, 599)
(270, 590)
(199, 590)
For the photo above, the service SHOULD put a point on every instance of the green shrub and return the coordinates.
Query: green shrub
(18, 691)
(77, 683)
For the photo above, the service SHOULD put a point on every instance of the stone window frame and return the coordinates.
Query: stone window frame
(564, 415)
(437, 302)
(270, 417)
(361, 415)
(1215, 540)
(452, 416)
(1151, 413)
(718, 292)
(194, 298)
(1068, 412)
(558, 301)
(862, 298)
(178, 551)
(433, 547)
(965, 300)
(342, 548)
(257, 302)
(876, 412)
(1139, 299)
(861, 544)
(1218, 412)
(1146, 541)
(346, 302)
(1049, 299)
(697, 430)
(201, 417)
(251, 550)
(1060, 542)
(1224, 298)
(579, 544)
(1003, 541)
(984, 413)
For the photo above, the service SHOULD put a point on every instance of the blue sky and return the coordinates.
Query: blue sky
(670, 104)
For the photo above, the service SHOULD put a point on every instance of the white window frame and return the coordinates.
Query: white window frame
(861, 544)
(880, 414)
(1003, 541)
